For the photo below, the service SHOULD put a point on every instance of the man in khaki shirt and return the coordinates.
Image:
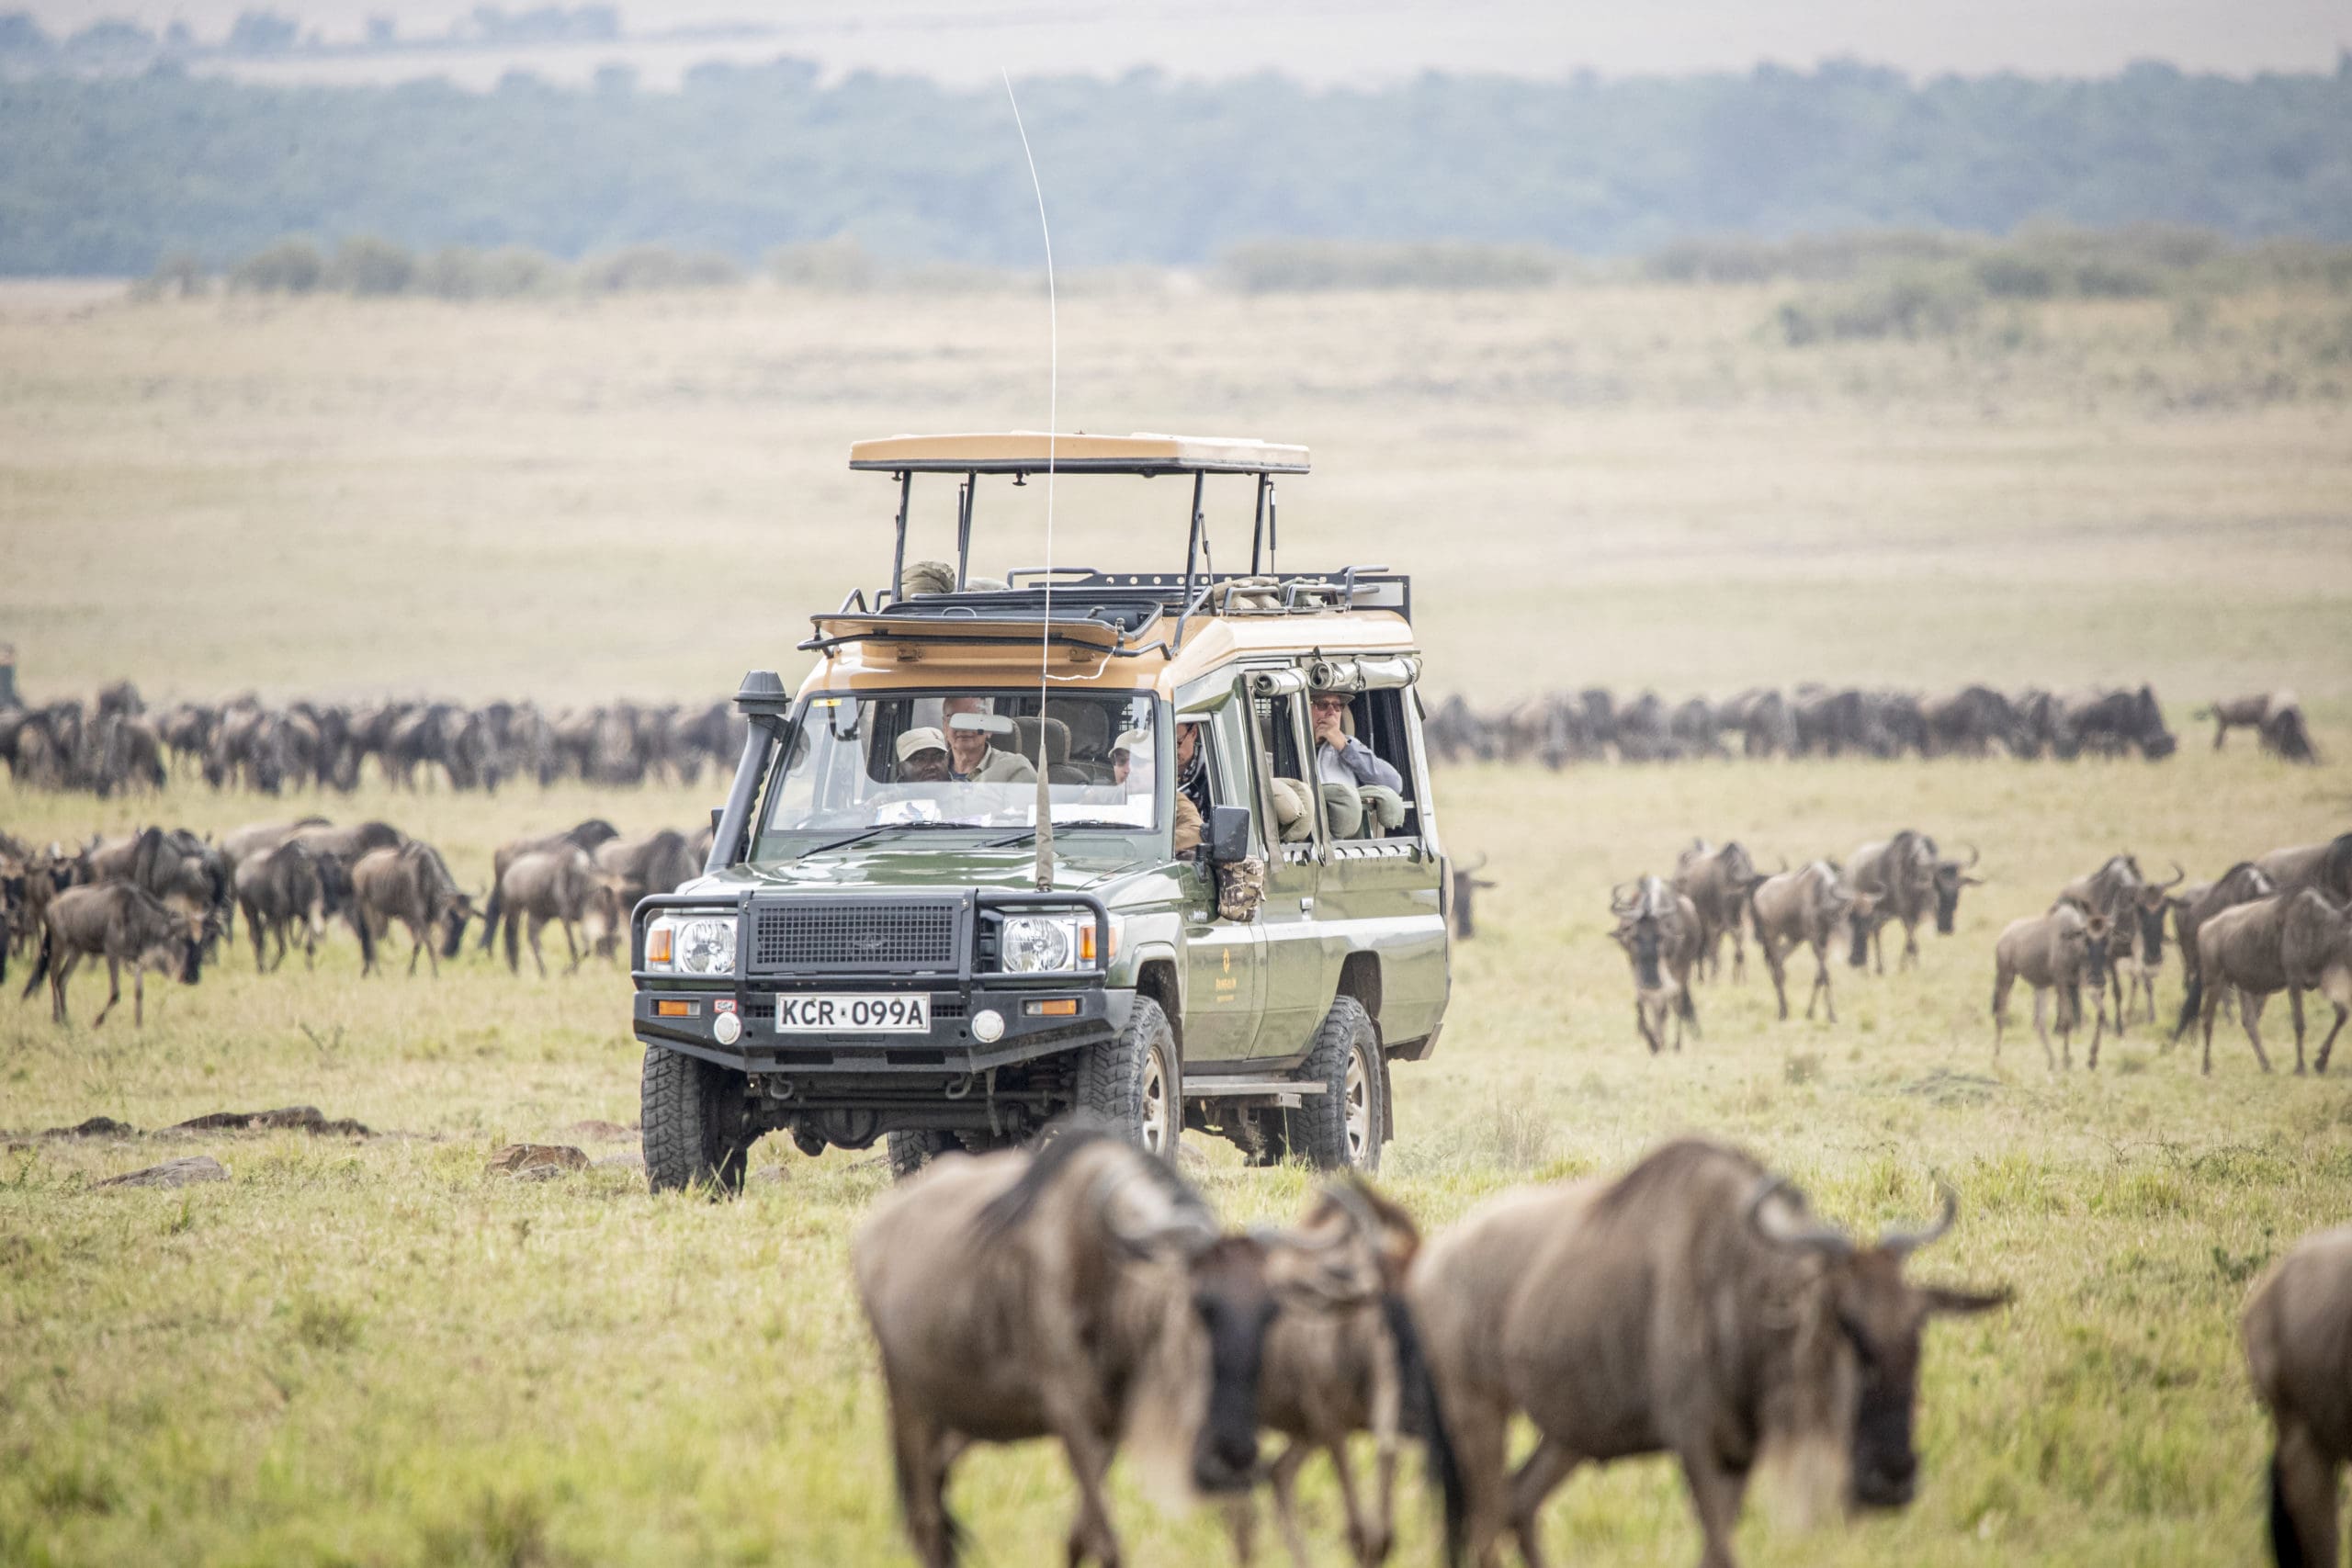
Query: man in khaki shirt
(971, 759)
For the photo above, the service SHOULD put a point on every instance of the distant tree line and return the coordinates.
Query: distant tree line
(106, 175)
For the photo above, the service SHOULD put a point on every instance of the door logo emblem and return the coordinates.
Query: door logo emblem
(1229, 961)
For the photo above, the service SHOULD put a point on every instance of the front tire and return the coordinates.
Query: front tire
(695, 1125)
(1341, 1127)
(1131, 1083)
(911, 1151)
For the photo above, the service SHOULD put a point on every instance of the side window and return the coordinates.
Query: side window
(1290, 772)
(1380, 724)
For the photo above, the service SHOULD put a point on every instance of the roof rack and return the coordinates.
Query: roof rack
(1029, 451)
(1110, 612)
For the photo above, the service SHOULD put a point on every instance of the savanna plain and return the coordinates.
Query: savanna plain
(369, 1351)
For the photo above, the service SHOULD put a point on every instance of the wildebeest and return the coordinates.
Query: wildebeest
(1968, 722)
(1717, 882)
(169, 864)
(587, 835)
(2286, 942)
(1803, 909)
(253, 838)
(412, 885)
(2135, 947)
(1691, 1306)
(652, 862)
(2059, 951)
(1659, 928)
(1467, 885)
(1341, 1356)
(345, 845)
(285, 888)
(2242, 884)
(1909, 881)
(1080, 1292)
(122, 923)
(561, 884)
(2242, 713)
(2326, 866)
(2300, 1357)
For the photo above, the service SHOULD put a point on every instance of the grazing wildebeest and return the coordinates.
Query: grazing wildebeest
(561, 884)
(2286, 942)
(1691, 1306)
(2059, 952)
(1659, 928)
(2300, 1357)
(122, 923)
(2242, 884)
(1803, 909)
(1467, 885)
(2286, 735)
(1080, 1292)
(2242, 713)
(1909, 881)
(174, 865)
(345, 845)
(1967, 722)
(1342, 1356)
(1717, 882)
(412, 885)
(284, 888)
(585, 835)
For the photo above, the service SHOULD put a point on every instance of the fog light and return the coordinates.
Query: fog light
(727, 1029)
(988, 1026)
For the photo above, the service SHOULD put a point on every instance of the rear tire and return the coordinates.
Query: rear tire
(1131, 1083)
(1341, 1128)
(695, 1126)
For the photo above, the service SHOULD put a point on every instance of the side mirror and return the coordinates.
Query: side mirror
(1228, 835)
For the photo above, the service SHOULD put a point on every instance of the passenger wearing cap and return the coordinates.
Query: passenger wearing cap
(970, 758)
(1341, 758)
(922, 757)
(1136, 745)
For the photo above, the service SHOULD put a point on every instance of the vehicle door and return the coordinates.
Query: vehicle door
(1301, 974)
(1225, 961)
(1381, 883)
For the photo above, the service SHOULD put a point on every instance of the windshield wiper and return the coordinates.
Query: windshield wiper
(865, 833)
(1026, 834)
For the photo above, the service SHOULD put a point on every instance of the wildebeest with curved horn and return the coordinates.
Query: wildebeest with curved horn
(1717, 881)
(1659, 928)
(122, 923)
(1342, 1356)
(2058, 951)
(412, 885)
(1080, 1292)
(1691, 1306)
(2242, 884)
(587, 835)
(1910, 881)
(2135, 947)
(1803, 909)
(2300, 1357)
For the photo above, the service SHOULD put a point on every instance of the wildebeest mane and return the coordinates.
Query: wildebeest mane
(1014, 1204)
(1667, 1166)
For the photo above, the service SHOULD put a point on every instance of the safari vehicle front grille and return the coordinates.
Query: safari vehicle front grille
(804, 936)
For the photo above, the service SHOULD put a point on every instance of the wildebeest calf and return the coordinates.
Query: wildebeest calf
(123, 924)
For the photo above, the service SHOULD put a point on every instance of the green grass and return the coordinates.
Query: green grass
(372, 1352)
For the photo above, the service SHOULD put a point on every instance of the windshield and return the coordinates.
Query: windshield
(962, 759)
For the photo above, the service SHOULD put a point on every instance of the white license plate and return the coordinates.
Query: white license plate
(854, 1015)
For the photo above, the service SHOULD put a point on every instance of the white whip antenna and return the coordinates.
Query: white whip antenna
(1044, 871)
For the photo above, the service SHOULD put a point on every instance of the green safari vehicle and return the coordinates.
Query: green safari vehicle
(1236, 921)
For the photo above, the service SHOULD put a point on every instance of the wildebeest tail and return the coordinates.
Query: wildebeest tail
(2192, 1000)
(490, 921)
(2286, 1546)
(1425, 1419)
(40, 964)
(514, 941)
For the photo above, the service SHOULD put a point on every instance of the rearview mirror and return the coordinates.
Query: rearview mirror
(1228, 834)
(985, 723)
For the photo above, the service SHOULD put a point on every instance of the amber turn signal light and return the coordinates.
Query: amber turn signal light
(657, 944)
(673, 1010)
(1061, 1007)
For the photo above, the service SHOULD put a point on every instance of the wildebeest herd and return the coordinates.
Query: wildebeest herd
(1592, 726)
(2279, 922)
(164, 899)
(114, 744)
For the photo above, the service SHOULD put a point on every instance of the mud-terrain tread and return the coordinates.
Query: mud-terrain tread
(1317, 1130)
(912, 1149)
(1110, 1076)
(683, 1139)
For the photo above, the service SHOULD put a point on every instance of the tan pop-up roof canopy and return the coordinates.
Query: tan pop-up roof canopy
(1025, 452)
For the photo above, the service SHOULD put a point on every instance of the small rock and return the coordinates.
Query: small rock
(594, 1132)
(95, 1127)
(172, 1173)
(519, 1159)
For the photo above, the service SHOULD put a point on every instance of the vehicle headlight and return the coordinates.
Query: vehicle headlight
(1032, 943)
(691, 944)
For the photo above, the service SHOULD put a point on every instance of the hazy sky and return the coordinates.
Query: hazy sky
(1340, 41)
